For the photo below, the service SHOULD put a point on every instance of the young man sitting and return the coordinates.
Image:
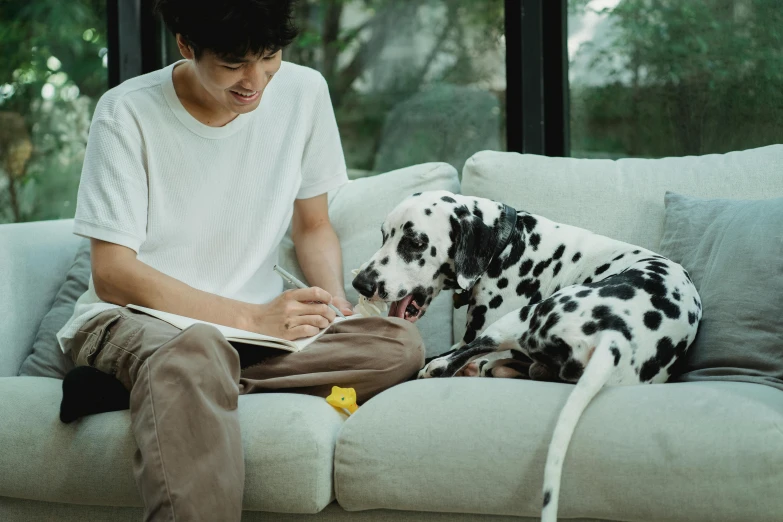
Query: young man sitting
(191, 178)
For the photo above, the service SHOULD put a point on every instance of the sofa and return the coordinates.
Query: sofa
(438, 449)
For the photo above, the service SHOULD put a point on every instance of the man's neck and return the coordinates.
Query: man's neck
(196, 100)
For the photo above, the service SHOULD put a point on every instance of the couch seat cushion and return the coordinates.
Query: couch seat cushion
(288, 441)
(710, 451)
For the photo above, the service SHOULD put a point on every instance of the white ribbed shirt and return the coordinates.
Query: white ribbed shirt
(205, 205)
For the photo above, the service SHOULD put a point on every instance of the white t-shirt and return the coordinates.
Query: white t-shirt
(205, 205)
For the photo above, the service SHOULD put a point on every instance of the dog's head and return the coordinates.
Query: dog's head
(433, 240)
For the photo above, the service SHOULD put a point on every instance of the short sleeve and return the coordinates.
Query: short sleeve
(112, 199)
(323, 163)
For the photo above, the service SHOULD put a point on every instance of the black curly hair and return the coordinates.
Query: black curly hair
(231, 29)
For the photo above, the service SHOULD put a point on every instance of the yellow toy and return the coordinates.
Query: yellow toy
(343, 399)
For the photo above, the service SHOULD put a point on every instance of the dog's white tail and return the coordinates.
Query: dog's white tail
(596, 374)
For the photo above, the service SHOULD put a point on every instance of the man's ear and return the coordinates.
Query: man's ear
(184, 49)
(475, 244)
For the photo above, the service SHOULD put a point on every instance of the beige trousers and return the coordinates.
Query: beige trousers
(184, 387)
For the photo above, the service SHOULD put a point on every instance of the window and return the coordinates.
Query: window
(655, 78)
(410, 81)
(52, 73)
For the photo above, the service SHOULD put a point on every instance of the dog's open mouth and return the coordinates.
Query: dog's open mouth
(407, 308)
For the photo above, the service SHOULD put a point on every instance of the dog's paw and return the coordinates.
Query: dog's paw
(434, 368)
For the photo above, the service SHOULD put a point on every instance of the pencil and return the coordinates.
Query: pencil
(297, 283)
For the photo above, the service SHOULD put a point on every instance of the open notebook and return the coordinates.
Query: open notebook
(241, 336)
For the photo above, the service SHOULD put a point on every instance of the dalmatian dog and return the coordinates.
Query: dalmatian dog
(551, 299)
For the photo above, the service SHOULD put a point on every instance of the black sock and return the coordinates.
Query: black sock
(87, 391)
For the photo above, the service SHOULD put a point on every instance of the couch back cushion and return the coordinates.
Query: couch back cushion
(622, 199)
(357, 210)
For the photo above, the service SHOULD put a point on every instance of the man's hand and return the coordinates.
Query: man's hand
(293, 314)
(343, 305)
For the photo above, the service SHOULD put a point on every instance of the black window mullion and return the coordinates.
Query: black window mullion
(555, 70)
(536, 77)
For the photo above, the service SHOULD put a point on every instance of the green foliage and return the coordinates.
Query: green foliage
(51, 76)
(705, 77)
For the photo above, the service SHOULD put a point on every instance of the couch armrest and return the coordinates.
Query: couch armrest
(35, 258)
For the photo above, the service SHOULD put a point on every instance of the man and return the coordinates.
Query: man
(191, 177)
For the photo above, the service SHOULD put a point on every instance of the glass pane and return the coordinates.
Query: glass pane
(655, 78)
(52, 72)
(411, 81)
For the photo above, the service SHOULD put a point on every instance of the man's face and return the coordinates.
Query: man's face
(236, 85)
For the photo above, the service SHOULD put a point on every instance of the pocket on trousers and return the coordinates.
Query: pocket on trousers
(98, 340)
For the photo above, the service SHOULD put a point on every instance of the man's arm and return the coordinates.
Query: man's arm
(317, 247)
(122, 279)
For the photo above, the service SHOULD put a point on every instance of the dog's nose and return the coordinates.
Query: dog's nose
(364, 284)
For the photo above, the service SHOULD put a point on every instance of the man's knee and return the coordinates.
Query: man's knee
(203, 346)
(406, 346)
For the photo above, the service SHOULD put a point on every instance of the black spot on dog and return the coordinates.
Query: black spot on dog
(517, 250)
(535, 240)
(421, 262)
(502, 282)
(448, 199)
(691, 317)
(624, 292)
(476, 211)
(603, 268)
(402, 293)
(676, 295)
(525, 267)
(433, 251)
(557, 268)
(547, 497)
(652, 319)
(572, 370)
(663, 356)
(618, 257)
(589, 328)
(551, 321)
(637, 252)
(407, 225)
(657, 269)
(478, 316)
(671, 310)
(583, 293)
(541, 266)
(616, 354)
(385, 260)
(416, 194)
(565, 299)
(576, 257)
(528, 287)
(496, 301)
(559, 252)
(545, 307)
(552, 354)
(392, 233)
(427, 211)
(523, 313)
(588, 281)
(570, 306)
(461, 211)
(606, 320)
(528, 221)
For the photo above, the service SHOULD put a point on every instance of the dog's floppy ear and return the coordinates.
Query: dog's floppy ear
(474, 245)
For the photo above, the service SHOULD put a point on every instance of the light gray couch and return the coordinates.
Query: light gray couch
(442, 449)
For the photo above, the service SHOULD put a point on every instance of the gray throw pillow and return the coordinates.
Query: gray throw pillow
(733, 250)
(47, 359)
